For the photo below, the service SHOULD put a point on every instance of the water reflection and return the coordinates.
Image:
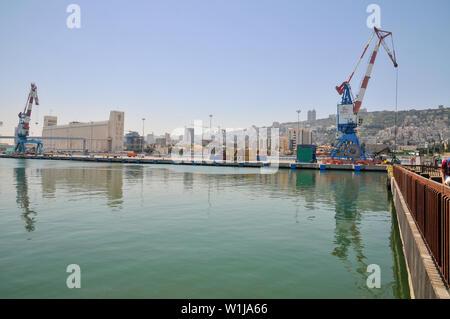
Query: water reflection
(107, 181)
(347, 234)
(348, 207)
(352, 194)
(104, 181)
(307, 191)
(133, 173)
(401, 283)
(188, 181)
(22, 198)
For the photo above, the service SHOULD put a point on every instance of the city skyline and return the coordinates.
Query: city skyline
(245, 63)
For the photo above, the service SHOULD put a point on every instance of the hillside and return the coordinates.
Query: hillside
(415, 127)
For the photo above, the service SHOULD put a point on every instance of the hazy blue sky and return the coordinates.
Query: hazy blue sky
(245, 61)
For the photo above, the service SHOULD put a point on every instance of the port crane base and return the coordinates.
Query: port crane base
(21, 148)
(348, 148)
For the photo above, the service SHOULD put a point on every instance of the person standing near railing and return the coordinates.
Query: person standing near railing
(445, 171)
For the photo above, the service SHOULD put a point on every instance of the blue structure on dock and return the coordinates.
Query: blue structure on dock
(348, 146)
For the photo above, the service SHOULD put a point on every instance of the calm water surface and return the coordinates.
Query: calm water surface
(166, 231)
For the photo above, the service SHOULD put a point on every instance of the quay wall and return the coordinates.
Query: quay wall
(425, 279)
(147, 160)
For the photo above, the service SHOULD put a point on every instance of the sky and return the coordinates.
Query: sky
(246, 62)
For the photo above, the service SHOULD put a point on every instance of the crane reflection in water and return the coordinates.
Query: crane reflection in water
(349, 208)
(105, 182)
(22, 198)
(347, 232)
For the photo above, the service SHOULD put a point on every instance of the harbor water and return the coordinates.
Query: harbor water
(174, 231)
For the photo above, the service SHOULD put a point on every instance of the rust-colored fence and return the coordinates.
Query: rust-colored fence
(429, 203)
(431, 170)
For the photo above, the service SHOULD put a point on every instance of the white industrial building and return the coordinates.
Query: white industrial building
(105, 136)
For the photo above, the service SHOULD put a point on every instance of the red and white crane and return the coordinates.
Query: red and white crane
(23, 129)
(381, 34)
(347, 112)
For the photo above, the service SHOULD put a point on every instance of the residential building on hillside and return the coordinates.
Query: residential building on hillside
(311, 115)
(298, 136)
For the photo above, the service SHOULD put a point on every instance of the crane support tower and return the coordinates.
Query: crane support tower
(23, 129)
(348, 147)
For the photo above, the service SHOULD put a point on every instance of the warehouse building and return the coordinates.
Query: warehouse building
(105, 136)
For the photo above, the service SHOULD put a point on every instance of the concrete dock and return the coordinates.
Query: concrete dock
(166, 160)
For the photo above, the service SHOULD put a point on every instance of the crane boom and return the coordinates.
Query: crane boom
(365, 81)
(381, 36)
(340, 88)
(25, 116)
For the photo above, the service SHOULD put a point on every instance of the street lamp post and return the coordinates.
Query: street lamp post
(90, 144)
(210, 126)
(143, 136)
(298, 126)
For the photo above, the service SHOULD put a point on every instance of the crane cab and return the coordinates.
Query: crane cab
(346, 117)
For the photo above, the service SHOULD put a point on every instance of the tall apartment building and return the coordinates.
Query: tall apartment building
(284, 144)
(299, 137)
(105, 136)
(150, 138)
(188, 136)
(311, 115)
(167, 137)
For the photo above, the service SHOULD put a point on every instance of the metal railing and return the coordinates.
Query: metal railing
(431, 170)
(429, 203)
